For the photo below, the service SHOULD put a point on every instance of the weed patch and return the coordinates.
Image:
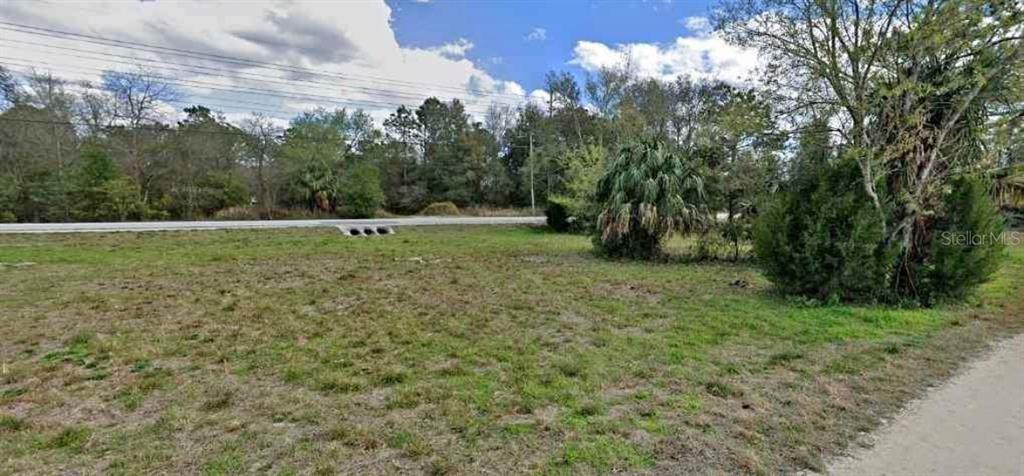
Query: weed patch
(507, 348)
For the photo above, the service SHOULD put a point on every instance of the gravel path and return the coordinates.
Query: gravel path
(972, 425)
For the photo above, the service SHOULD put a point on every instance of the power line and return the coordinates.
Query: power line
(48, 32)
(233, 75)
(367, 103)
(199, 101)
(145, 128)
(171, 130)
(207, 102)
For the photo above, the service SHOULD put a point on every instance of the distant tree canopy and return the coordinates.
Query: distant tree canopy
(877, 120)
(433, 152)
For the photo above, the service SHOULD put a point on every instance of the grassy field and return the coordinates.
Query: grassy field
(475, 350)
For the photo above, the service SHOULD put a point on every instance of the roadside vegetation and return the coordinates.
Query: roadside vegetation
(108, 151)
(734, 278)
(443, 350)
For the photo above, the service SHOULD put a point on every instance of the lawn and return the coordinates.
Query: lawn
(442, 350)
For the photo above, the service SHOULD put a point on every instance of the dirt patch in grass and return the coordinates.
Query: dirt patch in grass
(499, 350)
(628, 292)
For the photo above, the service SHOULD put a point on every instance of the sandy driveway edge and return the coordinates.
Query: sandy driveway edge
(971, 424)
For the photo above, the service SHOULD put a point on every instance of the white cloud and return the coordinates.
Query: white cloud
(351, 43)
(457, 49)
(701, 57)
(699, 26)
(539, 97)
(538, 34)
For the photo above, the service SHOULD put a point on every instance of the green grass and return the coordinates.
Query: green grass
(442, 350)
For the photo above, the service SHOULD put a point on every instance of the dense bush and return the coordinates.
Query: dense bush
(822, 237)
(260, 213)
(575, 209)
(440, 209)
(965, 245)
(361, 193)
(101, 193)
(223, 190)
(122, 200)
(569, 214)
(646, 193)
(8, 200)
(557, 214)
(239, 213)
(213, 192)
(480, 211)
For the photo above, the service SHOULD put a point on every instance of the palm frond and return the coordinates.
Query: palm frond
(649, 189)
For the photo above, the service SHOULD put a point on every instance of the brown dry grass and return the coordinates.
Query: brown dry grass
(498, 350)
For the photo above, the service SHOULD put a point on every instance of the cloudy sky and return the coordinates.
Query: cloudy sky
(279, 57)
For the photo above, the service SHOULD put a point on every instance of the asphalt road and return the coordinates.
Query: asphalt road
(259, 224)
(972, 425)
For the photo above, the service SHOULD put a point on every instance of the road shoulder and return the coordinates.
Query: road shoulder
(972, 424)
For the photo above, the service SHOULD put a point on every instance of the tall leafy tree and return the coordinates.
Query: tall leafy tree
(38, 146)
(137, 101)
(312, 153)
(400, 161)
(908, 84)
(261, 148)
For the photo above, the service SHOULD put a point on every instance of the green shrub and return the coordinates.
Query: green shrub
(8, 200)
(575, 209)
(440, 209)
(101, 193)
(122, 199)
(222, 190)
(213, 192)
(645, 194)
(557, 213)
(567, 214)
(361, 193)
(965, 247)
(238, 213)
(823, 238)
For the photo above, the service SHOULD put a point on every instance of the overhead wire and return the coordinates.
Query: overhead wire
(203, 70)
(196, 84)
(263, 107)
(138, 46)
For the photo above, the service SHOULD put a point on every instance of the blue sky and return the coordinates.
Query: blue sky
(499, 30)
(373, 55)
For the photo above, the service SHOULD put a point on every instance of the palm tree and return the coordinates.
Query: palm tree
(646, 193)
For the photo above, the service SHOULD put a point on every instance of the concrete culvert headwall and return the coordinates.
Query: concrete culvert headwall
(361, 230)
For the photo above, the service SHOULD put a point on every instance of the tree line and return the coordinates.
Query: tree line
(876, 129)
(73, 151)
